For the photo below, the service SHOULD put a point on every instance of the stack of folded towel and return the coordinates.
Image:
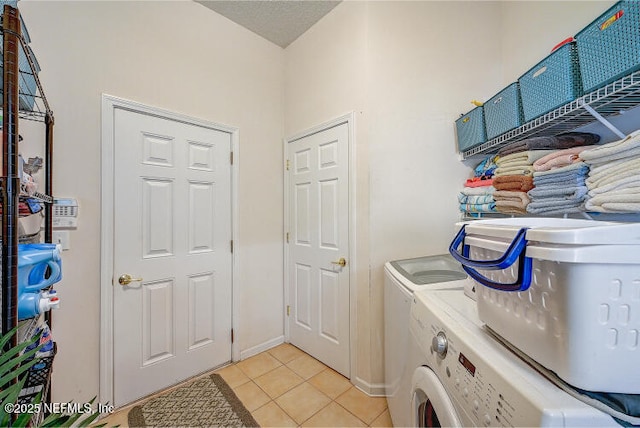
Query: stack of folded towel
(559, 190)
(519, 164)
(559, 180)
(513, 180)
(477, 194)
(477, 199)
(614, 176)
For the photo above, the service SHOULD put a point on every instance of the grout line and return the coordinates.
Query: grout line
(383, 410)
(354, 415)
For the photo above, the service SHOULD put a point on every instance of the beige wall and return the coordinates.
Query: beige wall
(179, 56)
(527, 41)
(417, 69)
(426, 61)
(325, 78)
(392, 63)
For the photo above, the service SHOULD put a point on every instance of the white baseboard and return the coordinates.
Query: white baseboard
(255, 350)
(373, 390)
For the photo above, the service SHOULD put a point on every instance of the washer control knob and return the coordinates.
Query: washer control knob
(439, 344)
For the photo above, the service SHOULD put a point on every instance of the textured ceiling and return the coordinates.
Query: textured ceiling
(280, 22)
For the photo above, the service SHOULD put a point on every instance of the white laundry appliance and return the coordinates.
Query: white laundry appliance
(402, 279)
(464, 377)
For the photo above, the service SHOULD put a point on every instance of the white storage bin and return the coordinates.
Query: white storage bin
(580, 315)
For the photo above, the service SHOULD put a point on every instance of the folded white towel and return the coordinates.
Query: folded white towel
(631, 190)
(615, 202)
(515, 163)
(614, 207)
(611, 170)
(623, 183)
(628, 146)
(613, 178)
(605, 167)
(529, 156)
(518, 170)
(480, 190)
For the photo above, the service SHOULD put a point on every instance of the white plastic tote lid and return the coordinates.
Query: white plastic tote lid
(591, 254)
(558, 230)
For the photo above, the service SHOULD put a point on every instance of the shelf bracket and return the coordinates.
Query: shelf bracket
(604, 121)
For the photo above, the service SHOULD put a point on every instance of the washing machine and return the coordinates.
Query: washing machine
(464, 377)
(402, 279)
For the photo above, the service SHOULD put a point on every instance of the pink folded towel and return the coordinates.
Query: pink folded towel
(558, 159)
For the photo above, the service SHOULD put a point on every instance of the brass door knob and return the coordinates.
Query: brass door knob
(126, 279)
(342, 262)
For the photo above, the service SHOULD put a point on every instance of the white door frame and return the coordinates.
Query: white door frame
(109, 105)
(349, 119)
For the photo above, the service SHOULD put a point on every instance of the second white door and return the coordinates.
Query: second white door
(172, 232)
(318, 273)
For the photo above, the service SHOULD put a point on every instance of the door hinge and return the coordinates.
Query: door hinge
(231, 243)
(288, 310)
(231, 158)
(288, 164)
(231, 335)
(287, 236)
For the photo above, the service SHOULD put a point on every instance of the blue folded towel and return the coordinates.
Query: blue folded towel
(574, 173)
(478, 208)
(558, 190)
(553, 211)
(560, 209)
(566, 179)
(475, 199)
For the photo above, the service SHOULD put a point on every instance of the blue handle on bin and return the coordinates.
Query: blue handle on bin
(54, 276)
(514, 252)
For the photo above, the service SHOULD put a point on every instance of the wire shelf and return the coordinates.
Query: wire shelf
(616, 97)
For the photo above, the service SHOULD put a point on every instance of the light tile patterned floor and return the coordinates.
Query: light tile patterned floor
(285, 387)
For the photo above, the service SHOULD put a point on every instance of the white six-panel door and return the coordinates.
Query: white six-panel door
(318, 239)
(172, 232)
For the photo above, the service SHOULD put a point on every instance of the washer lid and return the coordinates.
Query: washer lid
(430, 269)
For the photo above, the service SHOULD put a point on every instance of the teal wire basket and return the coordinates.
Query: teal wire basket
(503, 112)
(553, 82)
(609, 47)
(470, 129)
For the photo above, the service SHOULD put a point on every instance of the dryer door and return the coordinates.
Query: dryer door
(430, 404)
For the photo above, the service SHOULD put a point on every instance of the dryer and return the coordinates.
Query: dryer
(402, 279)
(464, 377)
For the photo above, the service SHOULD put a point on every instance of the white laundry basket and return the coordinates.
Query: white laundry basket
(565, 292)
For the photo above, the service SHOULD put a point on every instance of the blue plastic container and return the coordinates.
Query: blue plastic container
(609, 47)
(503, 112)
(39, 266)
(33, 304)
(470, 129)
(553, 82)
